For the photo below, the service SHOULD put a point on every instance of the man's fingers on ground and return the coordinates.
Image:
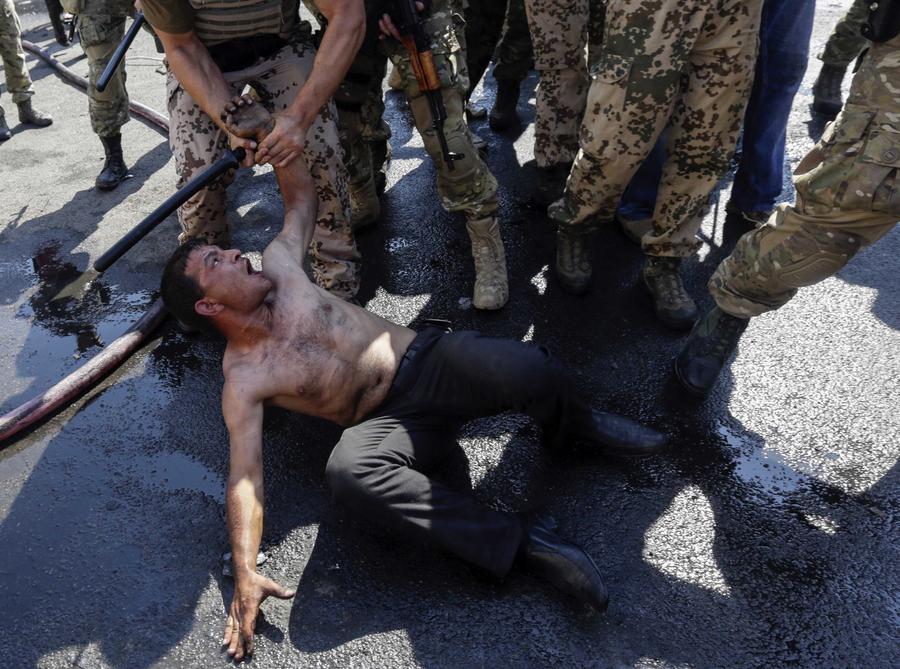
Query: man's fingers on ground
(229, 624)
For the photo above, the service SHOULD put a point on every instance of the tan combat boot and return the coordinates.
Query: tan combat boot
(491, 288)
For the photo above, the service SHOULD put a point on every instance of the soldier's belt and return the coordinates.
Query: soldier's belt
(238, 54)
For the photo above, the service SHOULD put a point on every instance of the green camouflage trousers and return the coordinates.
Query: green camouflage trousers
(845, 42)
(18, 83)
(101, 26)
(197, 141)
(689, 63)
(498, 31)
(561, 31)
(469, 187)
(848, 196)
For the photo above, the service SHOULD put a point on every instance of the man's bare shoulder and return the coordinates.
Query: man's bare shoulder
(246, 380)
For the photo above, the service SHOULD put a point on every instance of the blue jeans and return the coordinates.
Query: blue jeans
(784, 36)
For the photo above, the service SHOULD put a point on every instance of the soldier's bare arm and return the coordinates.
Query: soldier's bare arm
(342, 39)
(243, 414)
(202, 79)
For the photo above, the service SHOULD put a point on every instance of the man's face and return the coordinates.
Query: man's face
(226, 277)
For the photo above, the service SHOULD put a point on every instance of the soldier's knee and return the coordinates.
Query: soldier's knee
(824, 256)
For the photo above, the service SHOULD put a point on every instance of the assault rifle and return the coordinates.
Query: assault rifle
(418, 45)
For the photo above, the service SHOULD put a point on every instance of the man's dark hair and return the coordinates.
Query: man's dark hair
(180, 292)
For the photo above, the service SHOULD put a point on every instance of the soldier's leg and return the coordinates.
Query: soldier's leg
(197, 142)
(360, 107)
(514, 56)
(705, 125)
(100, 34)
(484, 24)
(846, 198)
(842, 48)
(335, 260)
(469, 187)
(558, 35)
(636, 84)
(846, 41)
(18, 82)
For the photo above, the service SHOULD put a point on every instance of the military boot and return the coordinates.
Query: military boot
(827, 98)
(491, 289)
(5, 133)
(708, 349)
(504, 115)
(674, 307)
(573, 257)
(114, 169)
(30, 115)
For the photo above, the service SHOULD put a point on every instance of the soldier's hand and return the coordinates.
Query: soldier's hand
(285, 142)
(387, 27)
(249, 146)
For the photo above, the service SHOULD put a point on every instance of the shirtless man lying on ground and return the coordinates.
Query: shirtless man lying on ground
(401, 396)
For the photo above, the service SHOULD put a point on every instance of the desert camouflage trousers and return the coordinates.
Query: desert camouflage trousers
(848, 196)
(845, 42)
(561, 31)
(469, 187)
(18, 83)
(196, 142)
(686, 63)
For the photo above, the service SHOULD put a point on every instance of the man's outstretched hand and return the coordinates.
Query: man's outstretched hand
(250, 590)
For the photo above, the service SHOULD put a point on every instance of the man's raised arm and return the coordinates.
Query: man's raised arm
(244, 504)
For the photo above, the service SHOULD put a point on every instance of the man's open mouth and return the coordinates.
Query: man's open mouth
(250, 269)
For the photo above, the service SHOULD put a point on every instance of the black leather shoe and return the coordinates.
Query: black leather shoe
(564, 565)
(624, 437)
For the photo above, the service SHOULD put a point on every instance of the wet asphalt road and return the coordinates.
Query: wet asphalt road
(766, 537)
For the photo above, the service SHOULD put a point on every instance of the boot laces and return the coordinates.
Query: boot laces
(671, 288)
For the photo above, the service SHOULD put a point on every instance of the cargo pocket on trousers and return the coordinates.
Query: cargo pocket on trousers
(880, 161)
(827, 177)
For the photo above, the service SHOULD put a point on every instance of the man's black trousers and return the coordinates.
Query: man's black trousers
(380, 467)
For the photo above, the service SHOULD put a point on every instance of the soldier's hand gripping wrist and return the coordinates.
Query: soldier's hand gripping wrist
(285, 142)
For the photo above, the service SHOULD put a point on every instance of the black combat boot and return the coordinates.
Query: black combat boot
(827, 99)
(708, 349)
(504, 115)
(5, 133)
(574, 265)
(674, 307)
(114, 169)
(30, 115)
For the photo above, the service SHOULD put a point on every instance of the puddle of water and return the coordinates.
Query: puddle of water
(175, 471)
(762, 467)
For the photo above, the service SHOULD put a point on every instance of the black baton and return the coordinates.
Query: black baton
(230, 160)
(119, 53)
